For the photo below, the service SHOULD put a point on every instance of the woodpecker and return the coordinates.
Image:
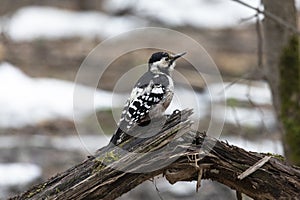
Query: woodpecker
(151, 95)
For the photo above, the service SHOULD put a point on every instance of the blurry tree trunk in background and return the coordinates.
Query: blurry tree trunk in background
(282, 71)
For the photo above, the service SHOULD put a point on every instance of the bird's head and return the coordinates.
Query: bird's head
(163, 62)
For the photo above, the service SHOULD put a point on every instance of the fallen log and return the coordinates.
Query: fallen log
(178, 153)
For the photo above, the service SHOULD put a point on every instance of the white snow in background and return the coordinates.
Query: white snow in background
(179, 188)
(261, 145)
(256, 91)
(247, 117)
(196, 13)
(25, 100)
(85, 143)
(189, 99)
(13, 174)
(34, 22)
(28, 101)
(298, 4)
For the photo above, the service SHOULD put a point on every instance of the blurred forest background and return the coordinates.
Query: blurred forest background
(43, 44)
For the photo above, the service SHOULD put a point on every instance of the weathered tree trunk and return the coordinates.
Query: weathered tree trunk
(181, 155)
(282, 71)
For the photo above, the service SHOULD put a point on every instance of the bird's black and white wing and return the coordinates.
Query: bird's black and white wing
(150, 91)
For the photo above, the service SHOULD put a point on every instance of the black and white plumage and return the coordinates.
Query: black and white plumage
(150, 96)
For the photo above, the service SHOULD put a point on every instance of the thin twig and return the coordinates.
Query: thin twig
(259, 43)
(255, 167)
(235, 115)
(200, 173)
(247, 19)
(239, 195)
(266, 13)
(257, 107)
(157, 190)
(244, 76)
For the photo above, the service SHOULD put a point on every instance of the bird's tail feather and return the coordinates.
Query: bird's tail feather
(116, 136)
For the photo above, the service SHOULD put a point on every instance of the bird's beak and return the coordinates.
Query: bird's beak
(176, 56)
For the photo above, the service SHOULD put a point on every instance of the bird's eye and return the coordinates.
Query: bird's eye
(167, 59)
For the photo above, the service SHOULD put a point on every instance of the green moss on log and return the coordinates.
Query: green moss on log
(38, 190)
(289, 91)
(102, 161)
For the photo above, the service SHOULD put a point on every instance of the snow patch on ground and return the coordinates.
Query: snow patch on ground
(13, 174)
(26, 101)
(85, 143)
(189, 99)
(35, 22)
(297, 4)
(257, 92)
(247, 117)
(261, 145)
(195, 13)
